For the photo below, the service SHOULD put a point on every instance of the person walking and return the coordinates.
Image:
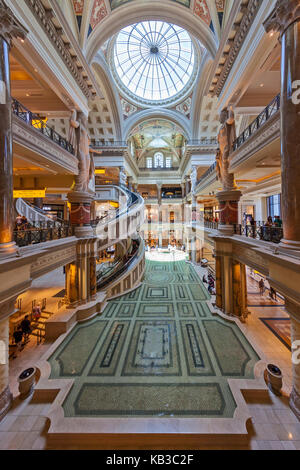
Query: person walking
(26, 328)
(261, 286)
(18, 337)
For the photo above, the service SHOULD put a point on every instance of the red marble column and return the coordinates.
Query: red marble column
(9, 28)
(286, 20)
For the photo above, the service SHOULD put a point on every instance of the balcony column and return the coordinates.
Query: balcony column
(6, 309)
(182, 190)
(122, 176)
(293, 309)
(9, 28)
(129, 179)
(285, 19)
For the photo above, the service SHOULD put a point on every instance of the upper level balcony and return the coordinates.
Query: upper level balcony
(264, 130)
(39, 142)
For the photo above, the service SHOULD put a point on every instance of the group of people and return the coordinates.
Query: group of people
(211, 283)
(277, 222)
(21, 333)
(262, 288)
(21, 222)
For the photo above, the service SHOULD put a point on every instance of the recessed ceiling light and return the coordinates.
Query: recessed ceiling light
(27, 94)
(262, 85)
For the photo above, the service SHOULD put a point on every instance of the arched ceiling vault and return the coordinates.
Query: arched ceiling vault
(136, 11)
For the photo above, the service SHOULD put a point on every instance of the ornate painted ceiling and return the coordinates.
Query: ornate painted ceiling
(209, 11)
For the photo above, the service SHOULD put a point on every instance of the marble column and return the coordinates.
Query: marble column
(285, 19)
(9, 28)
(93, 277)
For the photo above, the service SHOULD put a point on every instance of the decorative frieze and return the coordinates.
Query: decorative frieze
(241, 34)
(44, 18)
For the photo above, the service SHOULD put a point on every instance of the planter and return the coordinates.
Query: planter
(274, 379)
(26, 382)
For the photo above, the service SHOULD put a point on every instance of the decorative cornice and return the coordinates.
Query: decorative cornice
(44, 16)
(243, 29)
(10, 27)
(285, 13)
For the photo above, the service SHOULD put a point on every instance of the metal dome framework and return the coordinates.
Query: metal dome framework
(154, 62)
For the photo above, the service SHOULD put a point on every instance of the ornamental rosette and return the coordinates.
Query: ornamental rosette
(284, 14)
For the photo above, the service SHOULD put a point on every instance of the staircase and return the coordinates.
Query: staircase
(38, 327)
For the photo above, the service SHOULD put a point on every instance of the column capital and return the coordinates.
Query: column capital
(284, 14)
(10, 27)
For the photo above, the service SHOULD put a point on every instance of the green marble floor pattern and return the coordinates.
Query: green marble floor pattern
(156, 351)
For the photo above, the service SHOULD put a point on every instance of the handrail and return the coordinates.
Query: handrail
(207, 173)
(107, 280)
(105, 143)
(264, 116)
(37, 122)
(203, 141)
(172, 168)
(35, 215)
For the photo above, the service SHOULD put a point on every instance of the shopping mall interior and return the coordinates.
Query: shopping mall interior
(149, 224)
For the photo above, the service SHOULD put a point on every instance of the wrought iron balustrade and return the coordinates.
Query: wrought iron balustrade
(264, 116)
(207, 173)
(172, 168)
(262, 232)
(32, 236)
(39, 124)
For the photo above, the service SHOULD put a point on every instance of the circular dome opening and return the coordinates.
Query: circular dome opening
(153, 61)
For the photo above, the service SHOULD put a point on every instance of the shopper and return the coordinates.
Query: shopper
(18, 337)
(261, 286)
(26, 328)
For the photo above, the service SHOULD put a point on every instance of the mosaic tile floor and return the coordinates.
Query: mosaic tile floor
(156, 351)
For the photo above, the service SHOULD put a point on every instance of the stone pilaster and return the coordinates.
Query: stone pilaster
(9, 28)
(285, 19)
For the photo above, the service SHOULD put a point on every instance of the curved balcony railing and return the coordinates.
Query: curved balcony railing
(120, 267)
(264, 116)
(39, 124)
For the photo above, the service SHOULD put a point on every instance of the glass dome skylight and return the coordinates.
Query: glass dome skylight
(153, 60)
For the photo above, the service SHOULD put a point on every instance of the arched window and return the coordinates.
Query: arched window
(158, 160)
(149, 162)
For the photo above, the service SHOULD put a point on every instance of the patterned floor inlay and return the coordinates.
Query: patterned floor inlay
(156, 351)
(281, 327)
